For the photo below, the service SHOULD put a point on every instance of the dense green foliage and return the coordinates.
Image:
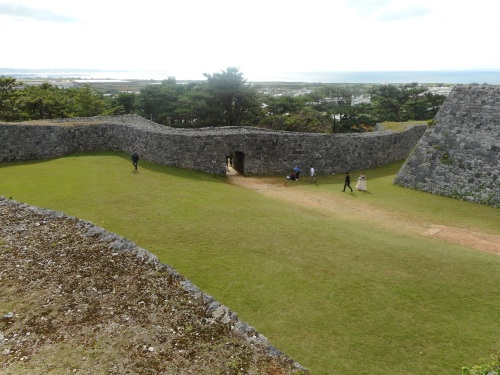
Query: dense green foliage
(409, 102)
(486, 368)
(8, 98)
(227, 99)
(46, 101)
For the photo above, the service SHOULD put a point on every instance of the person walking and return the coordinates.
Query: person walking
(361, 185)
(311, 173)
(347, 182)
(135, 159)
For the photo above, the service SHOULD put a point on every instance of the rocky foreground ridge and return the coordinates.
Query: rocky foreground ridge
(78, 299)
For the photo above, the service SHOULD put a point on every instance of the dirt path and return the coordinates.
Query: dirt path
(350, 209)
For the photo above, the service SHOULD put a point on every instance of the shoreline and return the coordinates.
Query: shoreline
(491, 77)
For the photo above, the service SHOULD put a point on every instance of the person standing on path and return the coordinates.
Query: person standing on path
(135, 159)
(347, 182)
(361, 185)
(311, 173)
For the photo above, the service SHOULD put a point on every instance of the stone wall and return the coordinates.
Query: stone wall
(17, 215)
(459, 157)
(257, 151)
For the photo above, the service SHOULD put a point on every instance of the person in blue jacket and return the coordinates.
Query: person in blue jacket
(297, 172)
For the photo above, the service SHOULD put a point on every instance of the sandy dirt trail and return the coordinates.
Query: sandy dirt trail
(359, 210)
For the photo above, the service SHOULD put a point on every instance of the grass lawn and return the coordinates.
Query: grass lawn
(337, 295)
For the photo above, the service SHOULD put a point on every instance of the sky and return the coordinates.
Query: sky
(187, 38)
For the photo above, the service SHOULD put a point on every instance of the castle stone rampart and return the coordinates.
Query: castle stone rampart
(459, 157)
(256, 151)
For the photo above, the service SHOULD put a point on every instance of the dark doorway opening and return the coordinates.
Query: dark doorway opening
(239, 162)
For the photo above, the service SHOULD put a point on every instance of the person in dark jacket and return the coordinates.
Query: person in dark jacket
(347, 182)
(135, 159)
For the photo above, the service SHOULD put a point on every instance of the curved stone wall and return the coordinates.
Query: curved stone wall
(459, 157)
(120, 245)
(257, 151)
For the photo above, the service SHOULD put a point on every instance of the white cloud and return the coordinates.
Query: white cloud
(258, 36)
(402, 14)
(387, 10)
(21, 11)
(368, 7)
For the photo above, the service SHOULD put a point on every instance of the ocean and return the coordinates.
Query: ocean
(447, 77)
(491, 77)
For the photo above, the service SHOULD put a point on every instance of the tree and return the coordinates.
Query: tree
(124, 103)
(230, 100)
(9, 95)
(293, 113)
(424, 107)
(306, 120)
(337, 102)
(285, 104)
(43, 101)
(86, 102)
(390, 102)
(192, 109)
(159, 102)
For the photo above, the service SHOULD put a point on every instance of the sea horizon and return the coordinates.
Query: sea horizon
(491, 77)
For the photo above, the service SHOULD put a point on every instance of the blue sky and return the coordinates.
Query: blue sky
(187, 38)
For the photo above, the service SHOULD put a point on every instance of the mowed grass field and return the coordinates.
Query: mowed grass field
(337, 294)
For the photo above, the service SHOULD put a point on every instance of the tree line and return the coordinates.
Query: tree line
(227, 99)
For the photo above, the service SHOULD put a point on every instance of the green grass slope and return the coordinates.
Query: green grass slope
(337, 295)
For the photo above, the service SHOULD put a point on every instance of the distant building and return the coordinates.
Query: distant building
(440, 90)
(360, 99)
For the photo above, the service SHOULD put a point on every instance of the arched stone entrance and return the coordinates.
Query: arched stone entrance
(239, 162)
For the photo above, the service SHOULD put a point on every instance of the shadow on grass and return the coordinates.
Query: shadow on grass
(7, 164)
(332, 179)
(164, 169)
